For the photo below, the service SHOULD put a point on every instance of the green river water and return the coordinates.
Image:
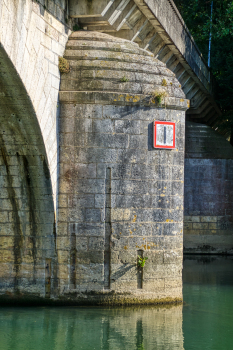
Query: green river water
(204, 322)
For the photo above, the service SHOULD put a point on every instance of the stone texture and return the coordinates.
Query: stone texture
(33, 34)
(27, 243)
(138, 190)
(208, 182)
(117, 197)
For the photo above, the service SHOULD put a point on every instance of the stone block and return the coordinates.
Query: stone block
(93, 257)
(155, 285)
(188, 226)
(63, 243)
(83, 125)
(123, 272)
(3, 217)
(131, 156)
(63, 257)
(87, 229)
(191, 232)
(96, 243)
(81, 244)
(200, 226)
(155, 243)
(129, 187)
(81, 200)
(173, 256)
(127, 127)
(99, 201)
(120, 171)
(124, 285)
(120, 214)
(138, 243)
(89, 273)
(174, 242)
(134, 229)
(173, 283)
(155, 257)
(108, 140)
(96, 155)
(127, 201)
(92, 111)
(213, 225)
(192, 218)
(94, 215)
(90, 186)
(124, 257)
(119, 244)
(138, 142)
(103, 126)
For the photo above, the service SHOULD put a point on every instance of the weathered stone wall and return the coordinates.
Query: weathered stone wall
(118, 197)
(208, 210)
(27, 243)
(58, 8)
(33, 35)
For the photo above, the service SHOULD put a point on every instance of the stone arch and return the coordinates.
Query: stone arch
(34, 36)
(26, 201)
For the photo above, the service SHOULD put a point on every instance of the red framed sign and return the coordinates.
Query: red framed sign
(164, 135)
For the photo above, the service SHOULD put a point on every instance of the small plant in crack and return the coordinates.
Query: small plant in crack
(142, 261)
(158, 96)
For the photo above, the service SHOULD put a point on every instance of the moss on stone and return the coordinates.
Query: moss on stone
(63, 65)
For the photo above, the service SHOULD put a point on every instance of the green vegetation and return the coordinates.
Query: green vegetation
(76, 27)
(124, 79)
(63, 65)
(197, 16)
(158, 96)
(141, 261)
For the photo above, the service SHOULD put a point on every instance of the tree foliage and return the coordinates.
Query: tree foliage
(197, 16)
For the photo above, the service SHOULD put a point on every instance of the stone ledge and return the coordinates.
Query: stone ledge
(123, 99)
(111, 298)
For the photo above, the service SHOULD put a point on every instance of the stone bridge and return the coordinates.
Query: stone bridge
(84, 195)
(158, 27)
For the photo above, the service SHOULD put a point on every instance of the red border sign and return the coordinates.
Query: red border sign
(155, 135)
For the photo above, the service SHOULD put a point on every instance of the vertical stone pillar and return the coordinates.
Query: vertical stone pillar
(119, 198)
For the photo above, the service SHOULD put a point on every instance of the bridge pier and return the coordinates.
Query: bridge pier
(119, 198)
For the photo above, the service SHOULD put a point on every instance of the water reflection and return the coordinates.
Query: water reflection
(208, 308)
(91, 328)
(207, 319)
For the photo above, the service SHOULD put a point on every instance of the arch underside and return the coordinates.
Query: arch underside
(26, 205)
